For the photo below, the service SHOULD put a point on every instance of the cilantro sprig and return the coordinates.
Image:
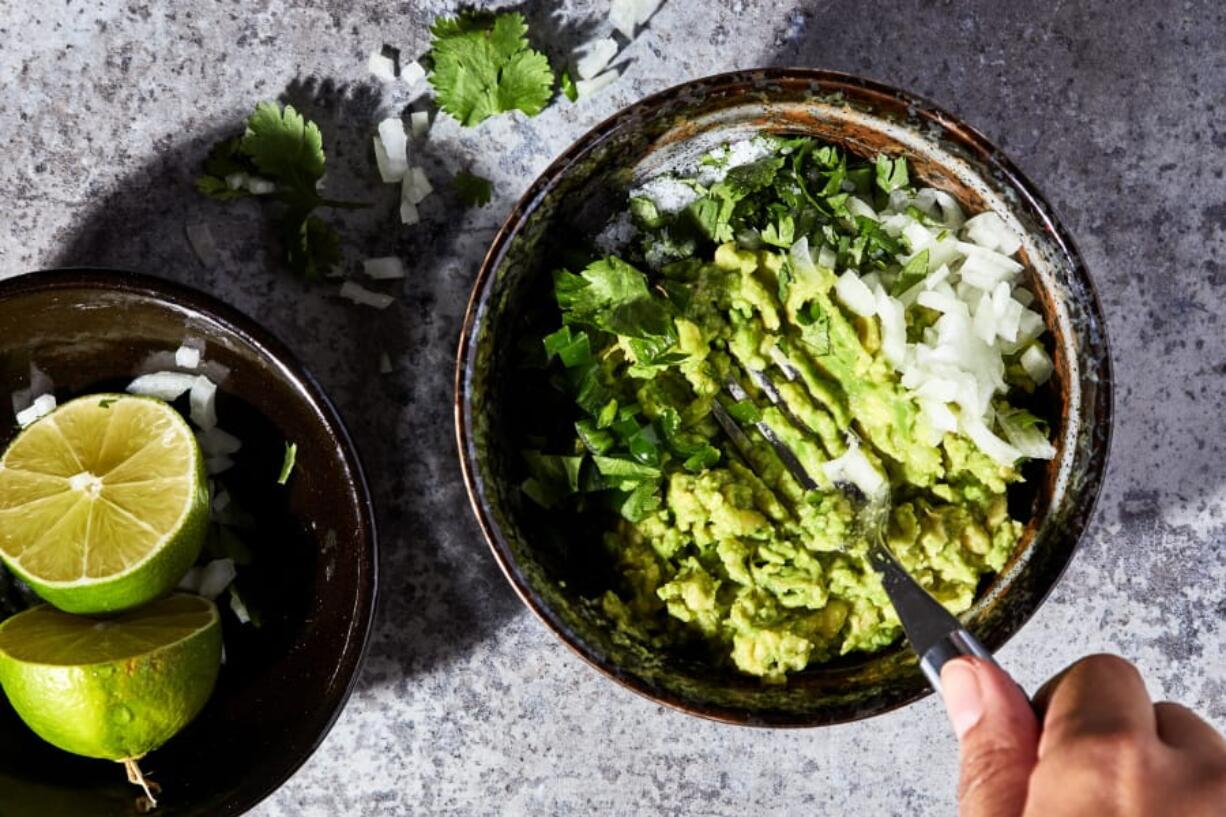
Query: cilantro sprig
(483, 65)
(280, 146)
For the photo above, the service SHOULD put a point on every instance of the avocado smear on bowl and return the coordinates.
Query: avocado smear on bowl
(896, 316)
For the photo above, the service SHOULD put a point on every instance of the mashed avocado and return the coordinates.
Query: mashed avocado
(717, 542)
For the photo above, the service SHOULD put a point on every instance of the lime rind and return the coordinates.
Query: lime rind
(167, 559)
(122, 707)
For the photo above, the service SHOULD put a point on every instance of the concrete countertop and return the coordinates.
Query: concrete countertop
(467, 705)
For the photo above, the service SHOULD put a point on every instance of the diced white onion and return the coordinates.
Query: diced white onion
(1008, 313)
(1030, 441)
(987, 442)
(939, 416)
(166, 386)
(382, 269)
(187, 357)
(200, 237)
(392, 150)
(203, 402)
(364, 297)
(855, 295)
(855, 468)
(989, 230)
(216, 442)
(827, 258)
(800, 257)
(413, 73)
(236, 181)
(260, 187)
(408, 213)
(985, 319)
(190, 582)
(415, 186)
(1037, 363)
(596, 55)
(938, 276)
(419, 123)
(916, 235)
(43, 405)
(893, 328)
(587, 87)
(40, 384)
(626, 15)
(220, 502)
(1030, 323)
(951, 212)
(859, 207)
(217, 465)
(237, 605)
(945, 302)
(381, 67)
(991, 256)
(215, 577)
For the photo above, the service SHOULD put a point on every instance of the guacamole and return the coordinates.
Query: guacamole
(876, 308)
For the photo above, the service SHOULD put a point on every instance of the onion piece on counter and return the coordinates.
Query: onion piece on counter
(365, 297)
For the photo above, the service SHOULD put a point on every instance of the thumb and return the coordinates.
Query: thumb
(998, 737)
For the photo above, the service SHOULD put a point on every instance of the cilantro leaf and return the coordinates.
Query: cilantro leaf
(282, 146)
(781, 233)
(484, 66)
(891, 173)
(603, 286)
(569, 89)
(641, 502)
(472, 189)
(287, 464)
(713, 213)
(312, 246)
(915, 271)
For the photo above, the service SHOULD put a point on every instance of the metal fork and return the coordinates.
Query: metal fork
(935, 634)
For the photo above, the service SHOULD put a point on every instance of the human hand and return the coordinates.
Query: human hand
(1102, 749)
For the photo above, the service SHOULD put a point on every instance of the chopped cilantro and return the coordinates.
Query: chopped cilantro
(891, 173)
(282, 147)
(483, 66)
(287, 464)
(915, 271)
(472, 189)
(569, 90)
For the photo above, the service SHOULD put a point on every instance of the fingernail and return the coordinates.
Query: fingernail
(963, 699)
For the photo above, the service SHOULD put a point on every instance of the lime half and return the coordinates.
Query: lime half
(113, 688)
(103, 503)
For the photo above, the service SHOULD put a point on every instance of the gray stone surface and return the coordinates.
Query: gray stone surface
(467, 705)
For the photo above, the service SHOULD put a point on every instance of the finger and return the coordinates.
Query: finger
(1100, 694)
(997, 734)
(1181, 728)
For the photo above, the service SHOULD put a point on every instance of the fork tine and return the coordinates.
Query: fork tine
(785, 454)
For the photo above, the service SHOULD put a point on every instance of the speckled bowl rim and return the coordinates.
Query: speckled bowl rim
(830, 81)
(249, 332)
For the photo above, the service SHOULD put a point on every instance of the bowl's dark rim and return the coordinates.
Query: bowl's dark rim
(180, 295)
(968, 137)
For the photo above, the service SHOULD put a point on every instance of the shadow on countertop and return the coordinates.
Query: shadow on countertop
(441, 592)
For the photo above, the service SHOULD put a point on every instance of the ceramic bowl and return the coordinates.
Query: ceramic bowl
(549, 557)
(283, 683)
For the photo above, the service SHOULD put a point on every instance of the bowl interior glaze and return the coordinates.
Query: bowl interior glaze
(282, 685)
(554, 561)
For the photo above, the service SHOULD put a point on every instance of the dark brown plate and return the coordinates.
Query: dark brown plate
(284, 684)
(554, 561)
